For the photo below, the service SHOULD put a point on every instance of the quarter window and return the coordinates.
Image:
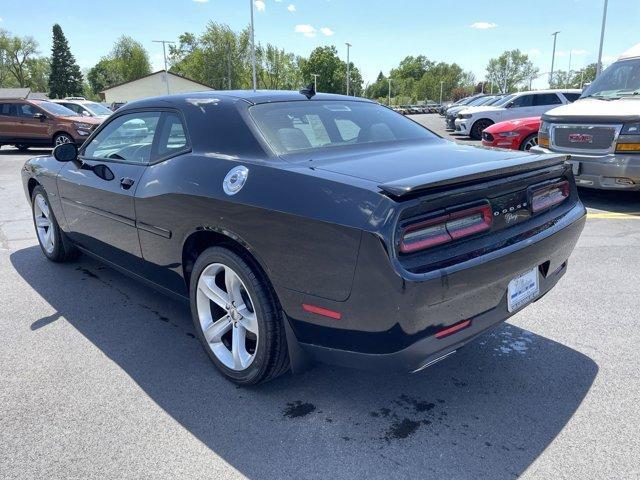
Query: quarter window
(172, 139)
(571, 97)
(127, 138)
(522, 101)
(541, 99)
(8, 110)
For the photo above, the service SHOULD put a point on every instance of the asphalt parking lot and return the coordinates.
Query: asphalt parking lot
(103, 378)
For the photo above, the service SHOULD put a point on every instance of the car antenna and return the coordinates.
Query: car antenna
(309, 91)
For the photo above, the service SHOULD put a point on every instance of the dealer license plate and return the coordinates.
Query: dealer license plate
(523, 289)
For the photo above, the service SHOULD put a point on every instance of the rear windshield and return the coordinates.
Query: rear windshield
(619, 80)
(296, 126)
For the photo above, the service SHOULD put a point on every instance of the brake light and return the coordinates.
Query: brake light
(549, 196)
(446, 228)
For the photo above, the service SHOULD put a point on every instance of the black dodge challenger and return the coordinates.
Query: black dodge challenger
(308, 227)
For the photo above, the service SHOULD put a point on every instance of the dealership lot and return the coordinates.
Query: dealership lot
(103, 378)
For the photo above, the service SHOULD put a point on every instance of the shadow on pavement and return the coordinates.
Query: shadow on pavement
(487, 412)
(611, 201)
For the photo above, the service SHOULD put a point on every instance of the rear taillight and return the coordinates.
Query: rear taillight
(445, 228)
(549, 196)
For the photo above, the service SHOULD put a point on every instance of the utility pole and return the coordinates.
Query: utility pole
(506, 75)
(441, 83)
(348, 47)
(315, 81)
(253, 50)
(389, 91)
(604, 21)
(566, 81)
(553, 56)
(164, 51)
(228, 66)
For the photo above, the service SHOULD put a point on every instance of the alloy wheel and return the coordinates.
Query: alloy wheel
(44, 226)
(227, 316)
(532, 142)
(62, 139)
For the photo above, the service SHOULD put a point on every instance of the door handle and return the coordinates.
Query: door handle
(126, 183)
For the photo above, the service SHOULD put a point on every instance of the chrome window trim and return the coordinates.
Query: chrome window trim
(612, 148)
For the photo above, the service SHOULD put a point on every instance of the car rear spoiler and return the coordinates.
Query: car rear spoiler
(470, 173)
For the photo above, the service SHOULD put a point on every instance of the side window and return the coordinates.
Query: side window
(126, 138)
(541, 99)
(8, 110)
(571, 96)
(26, 110)
(523, 101)
(73, 106)
(347, 129)
(172, 137)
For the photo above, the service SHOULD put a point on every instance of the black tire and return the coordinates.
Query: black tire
(478, 127)
(271, 355)
(60, 138)
(63, 250)
(525, 143)
(22, 148)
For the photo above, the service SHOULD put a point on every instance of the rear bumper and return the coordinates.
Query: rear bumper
(613, 171)
(389, 323)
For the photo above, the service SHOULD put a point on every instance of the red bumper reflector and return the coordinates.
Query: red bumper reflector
(453, 329)
(325, 312)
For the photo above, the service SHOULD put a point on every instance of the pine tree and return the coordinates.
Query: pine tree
(65, 78)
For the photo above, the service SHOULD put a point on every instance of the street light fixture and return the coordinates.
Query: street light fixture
(553, 56)
(348, 47)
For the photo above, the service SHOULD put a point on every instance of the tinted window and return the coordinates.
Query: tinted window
(127, 138)
(572, 97)
(296, 126)
(172, 138)
(9, 109)
(522, 101)
(26, 110)
(55, 109)
(541, 99)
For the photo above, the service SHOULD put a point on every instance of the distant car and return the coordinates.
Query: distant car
(85, 108)
(452, 112)
(520, 134)
(37, 123)
(473, 120)
(309, 227)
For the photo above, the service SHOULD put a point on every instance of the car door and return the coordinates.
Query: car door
(32, 128)
(9, 121)
(97, 191)
(519, 107)
(543, 102)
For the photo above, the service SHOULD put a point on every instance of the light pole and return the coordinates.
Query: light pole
(569, 72)
(506, 75)
(604, 21)
(253, 49)
(553, 56)
(315, 81)
(348, 47)
(389, 91)
(441, 83)
(164, 52)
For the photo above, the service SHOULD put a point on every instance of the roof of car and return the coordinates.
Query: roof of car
(250, 96)
(550, 90)
(631, 53)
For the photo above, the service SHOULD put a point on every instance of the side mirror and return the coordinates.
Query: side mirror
(509, 105)
(39, 116)
(66, 152)
(85, 113)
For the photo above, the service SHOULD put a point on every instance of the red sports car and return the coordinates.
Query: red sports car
(519, 134)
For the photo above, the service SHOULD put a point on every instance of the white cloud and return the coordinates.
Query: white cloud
(291, 7)
(574, 53)
(534, 52)
(483, 25)
(326, 31)
(201, 1)
(305, 29)
(260, 5)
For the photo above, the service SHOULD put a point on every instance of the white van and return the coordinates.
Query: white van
(601, 130)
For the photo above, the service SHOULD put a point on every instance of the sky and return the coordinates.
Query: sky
(382, 32)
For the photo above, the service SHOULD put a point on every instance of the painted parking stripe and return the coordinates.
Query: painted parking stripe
(614, 215)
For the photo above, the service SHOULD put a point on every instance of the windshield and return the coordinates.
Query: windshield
(56, 109)
(300, 126)
(478, 101)
(96, 108)
(620, 79)
(502, 100)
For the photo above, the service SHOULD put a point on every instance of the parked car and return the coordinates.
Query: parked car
(85, 108)
(37, 123)
(519, 134)
(601, 131)
(473, 120)
(478, 100)
(310, 226)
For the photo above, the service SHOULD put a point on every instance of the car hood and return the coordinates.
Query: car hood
(480, 108)
(508, 125)
(595, 110)
(405, 167)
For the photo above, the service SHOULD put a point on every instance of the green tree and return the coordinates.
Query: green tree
(103, 75)
(65, 78)
(128, 60)
(17, 52)
(39, 72)
(511, 69)
(331, 71)
(277, 69)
